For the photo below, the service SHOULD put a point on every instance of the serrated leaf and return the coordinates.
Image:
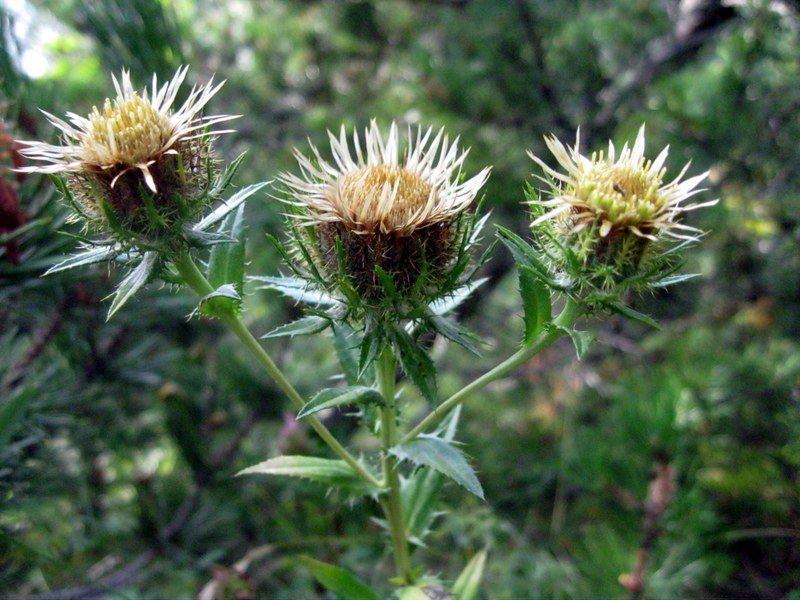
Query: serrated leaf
(205, 238)
(226, 177)
(111, 218)
(295, 288)
(331, 472)
(340, 582)
(420, 495)
(302, 326)
(535, 302)
(416, 364)
(448, 427)
(454, 332)
(331, 397)
(345, 342)
(370, 344)
(582, 340)
(634, 315)
(387, 283)
(524, 254)
(228, 205)
(226, 265)
(442, 306)
(468, 582)
(438, 454)
(88, 257)
(666, 281)
(133, 282)
(224, 299)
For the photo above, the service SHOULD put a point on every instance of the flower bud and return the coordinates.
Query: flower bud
(608, 217)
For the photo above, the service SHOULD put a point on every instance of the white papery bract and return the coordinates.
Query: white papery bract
(377, 216)
(374, 190)
(625, 192)
(131, 132)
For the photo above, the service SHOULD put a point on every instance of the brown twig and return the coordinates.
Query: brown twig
(659, 494)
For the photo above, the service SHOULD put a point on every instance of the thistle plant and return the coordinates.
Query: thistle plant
(389, 235)
(381, 246)
(139, 175)
(610, 224)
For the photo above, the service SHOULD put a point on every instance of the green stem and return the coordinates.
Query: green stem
(391, 500)
(197, 281)
(569, 314)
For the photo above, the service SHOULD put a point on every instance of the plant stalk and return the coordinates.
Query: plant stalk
(391, 499)
(197, 281)
(569, 314)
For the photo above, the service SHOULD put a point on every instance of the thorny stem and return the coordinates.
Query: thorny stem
(197, 281)
(569, 314)
(391, 500)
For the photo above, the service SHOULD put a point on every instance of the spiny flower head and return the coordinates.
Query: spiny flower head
(136, 163)
(609, 209)
(386, 226)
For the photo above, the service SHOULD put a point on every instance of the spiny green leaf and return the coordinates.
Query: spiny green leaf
(455, 333)
(340, 582)
(228, 205)
(302, 326)
(524, 254)
(111, 219)
(133, 282)
(468, 583)
(582, 340)
(224, 291)
(334, 473)
(442, 306)
(67, 194)
(224, 299)
(226, 262)
(226, 177)
(420, 496)
(370, 344)
(295, 288)
(416, 364)
(666, 281)
(205, 238)
(88, 257)
(345, 342)
(635, 315)
(387, 282)
(331, 397)
(535, 302)
(438, 454)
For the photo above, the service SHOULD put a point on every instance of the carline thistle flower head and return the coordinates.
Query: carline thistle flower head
(371, 214)
(135, 165)
(613, 212)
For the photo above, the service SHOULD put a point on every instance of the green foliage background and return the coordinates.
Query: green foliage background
(119, 440)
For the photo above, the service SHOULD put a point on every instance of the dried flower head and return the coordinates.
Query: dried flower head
(371, 215)
(609, 208)
(135, 161)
